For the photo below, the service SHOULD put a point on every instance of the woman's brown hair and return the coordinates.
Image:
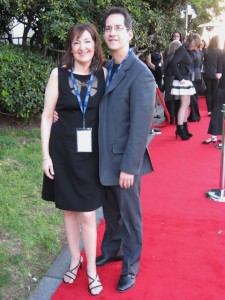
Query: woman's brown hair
(75, 32)
(214, 42)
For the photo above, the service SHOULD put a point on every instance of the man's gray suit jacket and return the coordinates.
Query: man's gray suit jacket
(125, 118)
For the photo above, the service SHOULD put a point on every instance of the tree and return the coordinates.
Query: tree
(51, 19)
(6, 18)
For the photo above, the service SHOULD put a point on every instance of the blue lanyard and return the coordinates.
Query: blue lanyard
(83, 107)
(109, 79)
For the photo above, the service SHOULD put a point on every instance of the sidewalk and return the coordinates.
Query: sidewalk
(53, 278)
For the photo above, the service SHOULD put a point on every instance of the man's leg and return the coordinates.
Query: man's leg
(130, 209)
(111, 244)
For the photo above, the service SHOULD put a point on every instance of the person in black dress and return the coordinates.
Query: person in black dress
(172, 102)
(215, 125)
(182, 85)
(70, 146)
(196, 77)
(154, 62)
(210, 62)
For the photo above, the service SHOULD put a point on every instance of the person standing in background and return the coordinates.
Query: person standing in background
(216, 120)
(182, 85)
(154, 61)
(210, 63)
(196, 76)
(172, 102)
(176, 35)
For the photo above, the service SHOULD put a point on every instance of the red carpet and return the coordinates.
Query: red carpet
(184, 232)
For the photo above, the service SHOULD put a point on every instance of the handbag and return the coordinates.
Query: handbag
(200, 86)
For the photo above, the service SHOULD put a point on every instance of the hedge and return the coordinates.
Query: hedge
(23, 77)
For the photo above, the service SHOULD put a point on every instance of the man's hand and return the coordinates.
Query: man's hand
(55, 116)
(126, 180)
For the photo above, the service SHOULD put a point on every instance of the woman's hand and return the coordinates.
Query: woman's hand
(55, 116)
(47, 167)
(182, 81)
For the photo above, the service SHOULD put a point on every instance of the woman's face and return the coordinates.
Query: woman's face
(176, 36)
(83, 48)
(192, 46)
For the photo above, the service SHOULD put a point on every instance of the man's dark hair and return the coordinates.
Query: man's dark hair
(122, 11)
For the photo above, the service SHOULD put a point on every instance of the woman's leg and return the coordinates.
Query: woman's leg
(208, 93)
(214, 92)
(72, 227)
(183, 110)
(89, 234)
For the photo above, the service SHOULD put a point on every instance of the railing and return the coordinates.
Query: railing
(218, 194)
(5, 40)
(55, 54)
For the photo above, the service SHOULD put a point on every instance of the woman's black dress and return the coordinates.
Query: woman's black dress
(76, 185)
(215, 125)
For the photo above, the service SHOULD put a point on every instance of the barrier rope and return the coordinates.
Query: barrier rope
(167, 115)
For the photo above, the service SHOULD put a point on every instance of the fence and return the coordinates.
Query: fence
(17, 39)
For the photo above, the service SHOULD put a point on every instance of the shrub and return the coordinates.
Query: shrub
(23, 77)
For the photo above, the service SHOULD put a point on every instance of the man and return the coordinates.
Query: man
(126, 113)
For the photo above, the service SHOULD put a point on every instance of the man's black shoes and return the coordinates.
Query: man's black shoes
(126, 282)
(101, 260)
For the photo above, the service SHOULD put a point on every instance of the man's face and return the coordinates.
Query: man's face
(116, 35)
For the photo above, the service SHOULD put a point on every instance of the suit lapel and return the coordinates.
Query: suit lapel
(121, 74)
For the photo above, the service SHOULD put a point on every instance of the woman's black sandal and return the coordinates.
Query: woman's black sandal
(94, 287)
(71, 272)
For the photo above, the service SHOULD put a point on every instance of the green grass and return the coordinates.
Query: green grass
(32, 231)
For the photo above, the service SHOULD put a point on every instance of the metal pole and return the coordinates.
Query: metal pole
(186, 22)
(218, 194)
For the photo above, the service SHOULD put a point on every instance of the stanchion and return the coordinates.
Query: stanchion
(162, 101)
(218, 194)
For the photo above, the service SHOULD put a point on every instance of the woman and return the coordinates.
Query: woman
(216, 123)
(210, 62)
(172, 103)
(196, 77)
(154, 62)
(182, 85)
(176, 35)
(170, 100)
(70, 146)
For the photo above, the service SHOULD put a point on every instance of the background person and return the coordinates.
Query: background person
(154, 61)
(196, 79)
(215, 125)
(182, 85)
(70, 164)
(211, 55)
(176, 35)
(170, 100)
